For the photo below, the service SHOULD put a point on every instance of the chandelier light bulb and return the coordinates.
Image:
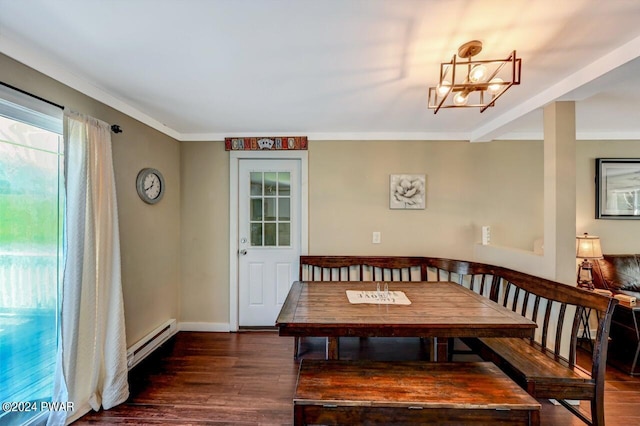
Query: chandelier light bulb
(444, 87)
(477, 73)
(461, 98)
(494, 85)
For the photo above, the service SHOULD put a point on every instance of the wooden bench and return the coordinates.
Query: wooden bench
(544, 366)
(366, 392)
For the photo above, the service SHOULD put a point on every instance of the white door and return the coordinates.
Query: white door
(269, 207)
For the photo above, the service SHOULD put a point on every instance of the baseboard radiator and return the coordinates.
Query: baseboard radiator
(151, 342)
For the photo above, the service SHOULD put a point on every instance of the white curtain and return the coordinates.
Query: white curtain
(93, 358)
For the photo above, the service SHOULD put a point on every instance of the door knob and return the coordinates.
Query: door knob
(243, 252)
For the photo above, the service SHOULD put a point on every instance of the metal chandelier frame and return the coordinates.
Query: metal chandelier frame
(473, 83)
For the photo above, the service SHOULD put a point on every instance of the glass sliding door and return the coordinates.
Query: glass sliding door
(31, 218)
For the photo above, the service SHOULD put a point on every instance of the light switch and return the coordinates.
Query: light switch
(376, 237)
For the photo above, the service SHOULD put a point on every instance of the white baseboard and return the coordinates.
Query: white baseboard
(149, 343)
(204, 326)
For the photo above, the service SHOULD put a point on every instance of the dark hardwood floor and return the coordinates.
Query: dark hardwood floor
(249, 378)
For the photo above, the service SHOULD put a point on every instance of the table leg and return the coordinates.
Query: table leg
(440, 350)
(635, 357)
(333, 348)
(585, 323)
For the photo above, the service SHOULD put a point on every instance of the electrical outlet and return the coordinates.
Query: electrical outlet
(486, 235)
(376, 237)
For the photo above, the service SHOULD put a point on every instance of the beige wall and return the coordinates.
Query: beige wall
(468, 186)
(205, 236)
(149, 235)
(616, 236)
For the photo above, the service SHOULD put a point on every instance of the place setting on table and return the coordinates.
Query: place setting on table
(381, 296)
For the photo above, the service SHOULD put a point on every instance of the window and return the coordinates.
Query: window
(31, 218)
(270, 200)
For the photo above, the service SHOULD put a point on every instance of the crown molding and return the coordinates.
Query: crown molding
(39, 62)
(334, 136)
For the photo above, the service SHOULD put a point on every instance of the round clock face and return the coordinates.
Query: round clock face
(150, 185)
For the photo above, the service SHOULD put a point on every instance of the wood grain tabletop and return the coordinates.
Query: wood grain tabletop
(437, 309)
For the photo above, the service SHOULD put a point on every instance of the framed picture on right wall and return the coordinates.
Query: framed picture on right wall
(617, 188)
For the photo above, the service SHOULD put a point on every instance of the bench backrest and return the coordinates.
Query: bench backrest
(362, 268)
(475, 276)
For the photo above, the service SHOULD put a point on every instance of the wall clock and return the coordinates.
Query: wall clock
(150, 185)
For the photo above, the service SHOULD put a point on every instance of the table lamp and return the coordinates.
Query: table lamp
(587, 247)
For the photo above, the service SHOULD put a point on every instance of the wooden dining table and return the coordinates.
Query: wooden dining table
(437, 310)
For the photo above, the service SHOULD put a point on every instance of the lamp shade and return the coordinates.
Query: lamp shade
(588, 247)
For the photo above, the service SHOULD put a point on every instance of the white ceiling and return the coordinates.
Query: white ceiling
(333, 69)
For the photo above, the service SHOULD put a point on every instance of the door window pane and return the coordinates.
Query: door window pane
(270, 183)
(284, 234)
(270, 234)
(284, 183)
(284, 209)
(256, 234)
(31, 214)
(270, 209)
(256, 183)
(256, 209)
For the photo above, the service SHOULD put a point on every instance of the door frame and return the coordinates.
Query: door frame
(234, 166)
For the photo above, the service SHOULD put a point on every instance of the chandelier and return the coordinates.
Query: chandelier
(473, 83)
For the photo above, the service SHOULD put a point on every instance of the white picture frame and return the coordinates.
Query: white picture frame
(407, 191)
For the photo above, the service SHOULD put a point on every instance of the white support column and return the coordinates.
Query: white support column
(560, 191)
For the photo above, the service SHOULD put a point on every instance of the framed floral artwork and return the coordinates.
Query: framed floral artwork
(407, 191)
